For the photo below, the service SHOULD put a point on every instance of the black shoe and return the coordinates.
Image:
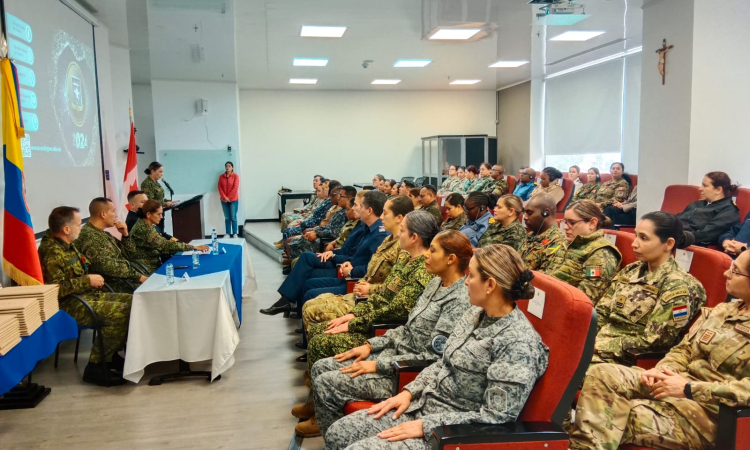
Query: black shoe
(293, 315)
(302, 358)
(118, 363)
(299, 330)
(300, 345)
(273, 310)
(286, 270)
(94, 374)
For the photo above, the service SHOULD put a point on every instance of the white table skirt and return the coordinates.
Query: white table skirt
(193, 321)
(249, 283)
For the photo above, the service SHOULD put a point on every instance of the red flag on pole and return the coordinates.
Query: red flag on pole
(131, 167)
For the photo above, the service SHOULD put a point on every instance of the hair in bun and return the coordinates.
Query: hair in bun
(522, 288)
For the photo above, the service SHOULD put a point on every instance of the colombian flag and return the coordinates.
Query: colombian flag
(20, 257)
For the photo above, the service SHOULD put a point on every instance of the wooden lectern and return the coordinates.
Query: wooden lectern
(187, 219)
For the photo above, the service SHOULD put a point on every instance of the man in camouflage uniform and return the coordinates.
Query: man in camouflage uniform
(676, 404)
(485, 376)
(62, 264)
(645, 311)
(106, 255)
(545, 237)
(498, 185)
(513, 235)
(429, 204)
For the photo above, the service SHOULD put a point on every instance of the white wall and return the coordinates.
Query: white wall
(143, 117)
(513, 127)
(288, 136)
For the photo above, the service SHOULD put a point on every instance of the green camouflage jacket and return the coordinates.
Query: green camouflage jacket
(588, 263)
(587, 191)
(434, 211)
(537, 249)
(153, 191)
(612, 191)
(346, 230)
(645, 311)
(150, 246)
(400, 292)
(62, 264)
(107, 256)
(499, 187)
(465, 186)
(381, 263)
(513, 235)
(454, 223)
(481, 184)
(449, 185)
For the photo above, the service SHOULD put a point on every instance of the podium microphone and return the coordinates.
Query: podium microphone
(171, 191)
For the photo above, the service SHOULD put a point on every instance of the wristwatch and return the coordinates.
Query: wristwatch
(743, 248)
(688, 391)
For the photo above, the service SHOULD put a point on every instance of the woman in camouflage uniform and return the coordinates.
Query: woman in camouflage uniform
(469, 180)
(676, 404)
(454, 203)
(504, 227)
(491, 362)
(450, 183)
(615, 190)
(430, 323)
(151, 187)
(150, 246)
(482, 184)
(589, 190)
(587, 260)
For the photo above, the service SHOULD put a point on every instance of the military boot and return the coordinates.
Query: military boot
(308, 428)
(304, 411)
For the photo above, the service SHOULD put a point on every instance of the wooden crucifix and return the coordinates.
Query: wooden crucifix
(663, 60)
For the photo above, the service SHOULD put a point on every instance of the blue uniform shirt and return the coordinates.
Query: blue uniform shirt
(524, 190)
(739, 232)
(368, 240)
(475, 230)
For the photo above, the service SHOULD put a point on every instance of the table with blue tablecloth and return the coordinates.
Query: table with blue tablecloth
(22, 358)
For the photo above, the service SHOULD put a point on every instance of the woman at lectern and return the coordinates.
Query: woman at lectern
(229, 185)
(151, 186)
(150, 246)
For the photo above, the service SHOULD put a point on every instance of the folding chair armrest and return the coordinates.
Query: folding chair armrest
(733, 427)
(412, 365)
(358, 300)
(107, 287)
(379, 329)
(506, 435)
(645, 360)
(353, 279)
(141, 268)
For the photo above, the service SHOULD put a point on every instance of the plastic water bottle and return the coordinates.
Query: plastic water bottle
(170, 273)
(214, 243)
(196, 259)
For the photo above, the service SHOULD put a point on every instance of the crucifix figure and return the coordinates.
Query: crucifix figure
(663, 60)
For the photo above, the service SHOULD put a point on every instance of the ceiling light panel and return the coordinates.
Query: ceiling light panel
(386, 81)
(508, 64)
(303, 81)
(451, 34)
(577, 36)
(322, 32)
(465, 81)
(310, 62)
(412, 62)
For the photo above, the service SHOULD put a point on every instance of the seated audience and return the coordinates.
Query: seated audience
(105, 254)
(478, 216)
(652, 300)
(429, 203)
(414, 195)
(406, 186)
(498, 185)
(623, 213)
(549, 184)
(63, 265)
(386, 187)
(526, 184)
(470, 179)
(495, 359)
(590, 189)
(676, 404)
(377, 180)
(450, 183)
(715, 213)
(317, 215)
(323, 204)
(150, 246)
(301, 213)
(461, 174)
(574, 173)
(395, 189)
(505, 228)
(454, 204)
(352, 219)
(353, 256)
(403, 286)
(365, 372)
(615, 190)
(587, 260)
(545, 238)
(482, 184)
(736, 239)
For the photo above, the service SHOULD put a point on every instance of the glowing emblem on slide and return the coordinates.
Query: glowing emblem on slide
(74, 93)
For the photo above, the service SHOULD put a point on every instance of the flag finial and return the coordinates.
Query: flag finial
(3, 46)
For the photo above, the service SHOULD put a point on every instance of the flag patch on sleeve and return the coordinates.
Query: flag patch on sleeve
(680, 313)
(593, 272)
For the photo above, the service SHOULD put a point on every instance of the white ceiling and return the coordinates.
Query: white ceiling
(253, 42)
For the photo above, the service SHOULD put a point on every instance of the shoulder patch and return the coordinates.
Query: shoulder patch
(680, 313)
(593, 271)
(651, 289)
(674, 294)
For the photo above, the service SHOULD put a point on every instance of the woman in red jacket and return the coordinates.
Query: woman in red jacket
(229, 185)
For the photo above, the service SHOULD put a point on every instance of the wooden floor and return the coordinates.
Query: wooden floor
(249, 408)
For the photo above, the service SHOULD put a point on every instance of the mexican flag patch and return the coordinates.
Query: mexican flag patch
(593, 272)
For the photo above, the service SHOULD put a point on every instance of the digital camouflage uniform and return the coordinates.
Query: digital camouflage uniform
(312, 221)
(434, 211)
(328, 229)
(612, 191)
(63, 265)
(465, 188)
(150, 246)
(513, 235)
(327, 307)
(587, 191)
(588, 263)
(109, 258)
(449, 185)
(481, 184)
(153, 191)
(498, 187)
(346, 230)
(537, 249)
(644, 311)
(435, 314)
(614, 407)
(402, 288)
(485, 376)
(290, 217)
(454, 223)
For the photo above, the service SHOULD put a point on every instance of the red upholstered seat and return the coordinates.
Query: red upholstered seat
(633, 180)
(708, 267)
(511, 183)
(678, 196)
(624, 243)
(743, 202)
(567, 186)
(353, 407)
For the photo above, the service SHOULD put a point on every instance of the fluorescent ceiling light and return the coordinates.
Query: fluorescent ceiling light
(311, 62)
(303, 81)
(561, 19)
(386, 81)
(465, 81)
(577, 36)
(505, 64)
(327, 32)
(455, 34)
(412, 62)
